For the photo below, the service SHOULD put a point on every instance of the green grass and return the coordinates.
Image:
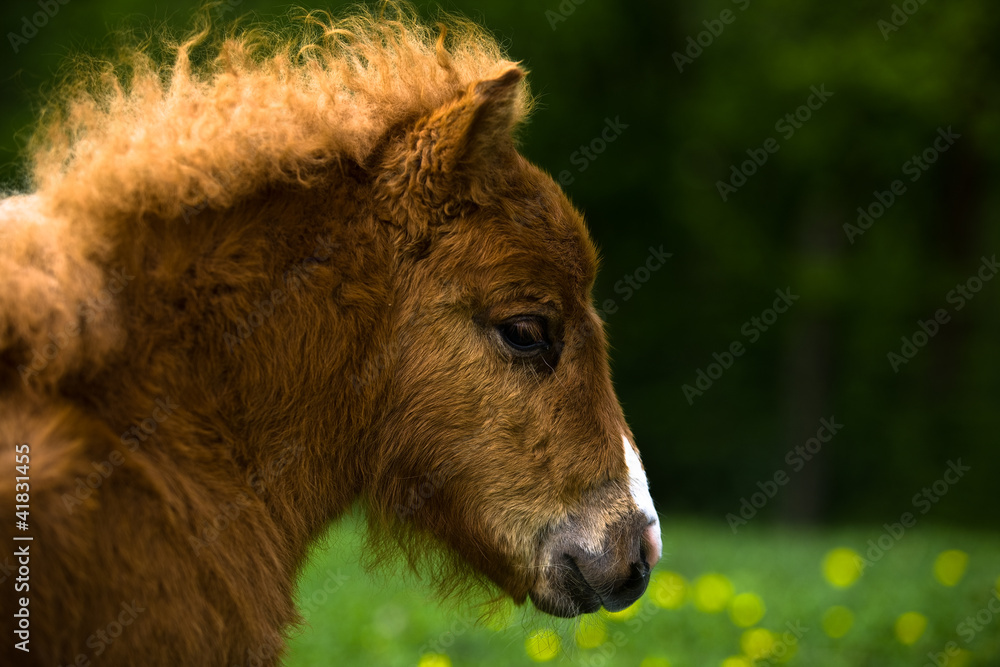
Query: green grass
(393, 619)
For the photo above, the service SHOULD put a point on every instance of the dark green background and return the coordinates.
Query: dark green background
(656, 185)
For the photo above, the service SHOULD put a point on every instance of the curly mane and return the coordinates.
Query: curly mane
(225, 114)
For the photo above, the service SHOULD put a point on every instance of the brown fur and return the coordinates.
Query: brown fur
(248, 293)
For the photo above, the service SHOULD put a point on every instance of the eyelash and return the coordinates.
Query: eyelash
(525, 335)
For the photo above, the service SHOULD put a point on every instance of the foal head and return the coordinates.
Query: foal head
(501, 435)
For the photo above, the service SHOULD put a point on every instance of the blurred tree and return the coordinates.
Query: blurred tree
(685, 130)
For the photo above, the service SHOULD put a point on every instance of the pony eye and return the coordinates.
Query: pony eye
(526, 335)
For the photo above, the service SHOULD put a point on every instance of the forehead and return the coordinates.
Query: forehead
(528, 243)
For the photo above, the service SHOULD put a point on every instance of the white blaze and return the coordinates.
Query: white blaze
(639, 487)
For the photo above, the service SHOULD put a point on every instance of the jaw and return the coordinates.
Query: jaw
(561, 606)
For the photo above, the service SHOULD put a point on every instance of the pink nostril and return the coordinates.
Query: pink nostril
(654, 548)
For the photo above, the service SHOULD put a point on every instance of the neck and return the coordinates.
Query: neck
(278, 360)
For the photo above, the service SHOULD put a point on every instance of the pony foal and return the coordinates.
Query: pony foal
(277, 276)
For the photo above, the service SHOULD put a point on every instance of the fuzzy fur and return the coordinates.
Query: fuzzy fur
(260, 280)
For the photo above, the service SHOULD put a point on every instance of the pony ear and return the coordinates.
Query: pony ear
(456, 134)
(439, 155)
(459, 133)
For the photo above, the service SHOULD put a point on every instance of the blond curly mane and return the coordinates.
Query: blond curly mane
(227, 114)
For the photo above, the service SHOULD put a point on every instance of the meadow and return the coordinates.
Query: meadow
(857, 596)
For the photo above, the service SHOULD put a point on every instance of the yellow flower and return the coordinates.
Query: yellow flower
(626, 613)
(746, 609)
(757, 643)
(434, 660)
(667, 590)
(712, 592)
(654, 661)
(842, 567)
(542, 645)
(949, 566)
(961, 659)
(498, 617)
(591, 632)
(910, 627)
(837, 621)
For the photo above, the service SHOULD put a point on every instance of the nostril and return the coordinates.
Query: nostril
(629, 589)
(651, 548)
(638, 578)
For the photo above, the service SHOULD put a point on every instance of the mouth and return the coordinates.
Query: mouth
(584, 597)
(598, 557)
(572, 593)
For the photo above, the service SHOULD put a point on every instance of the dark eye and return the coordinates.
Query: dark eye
(525, 335)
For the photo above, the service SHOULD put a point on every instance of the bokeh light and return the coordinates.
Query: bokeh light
(667, 590)
(499, 616)
(746, 609)
(837, 621)
(757, 643)
(654, 661)
(962, 658)
(737, 661)
(842, 567)
(591, 632)
(949, 566)
(910, 627)
(625, 614)
(434, 660)
(712, 592)
(542, 645)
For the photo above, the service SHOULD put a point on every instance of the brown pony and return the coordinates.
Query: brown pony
(275, 276)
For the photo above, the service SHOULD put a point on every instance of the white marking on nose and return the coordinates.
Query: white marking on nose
(639, 487)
